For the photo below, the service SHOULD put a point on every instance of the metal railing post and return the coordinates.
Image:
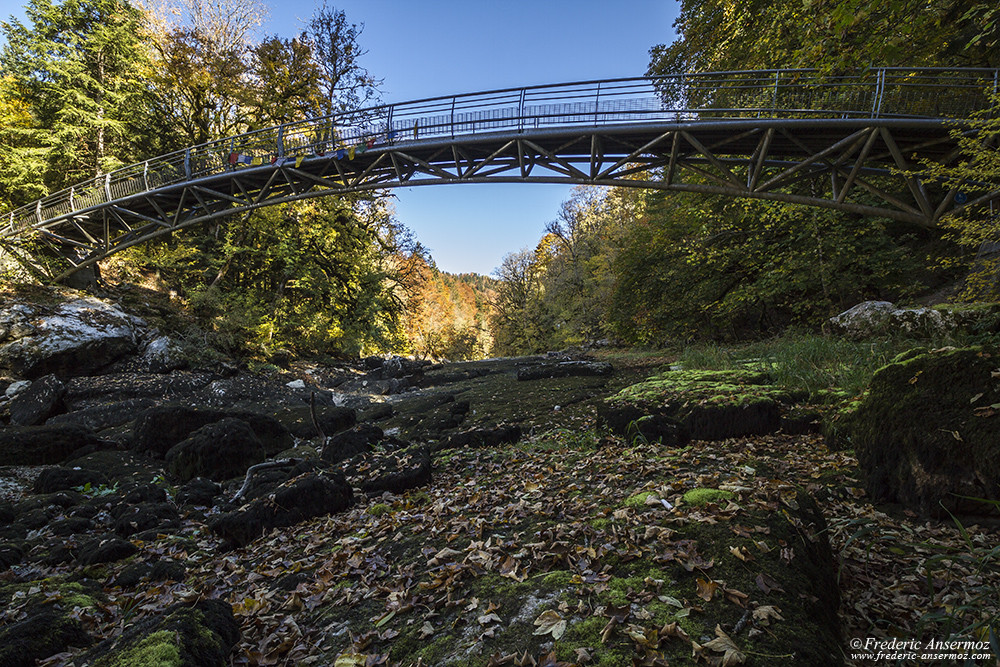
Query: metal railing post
(520, 112)
(72, 199)
(774, 96)
(879, 92)
(187, 163)
(145, 174)
(107, 186)
(281, 141)
(597, 102)
(453, 100)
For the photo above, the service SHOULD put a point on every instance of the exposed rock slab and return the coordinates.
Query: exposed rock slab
(926, 432)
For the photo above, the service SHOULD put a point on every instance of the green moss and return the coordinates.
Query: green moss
(379, 509)
(600, 524)
(702, 496)
(558, 579)
(157, 650)
(638, 500)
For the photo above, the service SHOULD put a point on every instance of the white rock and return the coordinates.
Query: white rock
(17, 387)
(296, 384)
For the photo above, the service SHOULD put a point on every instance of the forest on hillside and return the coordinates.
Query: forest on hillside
(649, 268)
(88, 85)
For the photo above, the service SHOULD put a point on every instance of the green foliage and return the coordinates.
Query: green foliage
(697, 268)
(318, 277)
(831, 35)
(78, 68)
(98, 491)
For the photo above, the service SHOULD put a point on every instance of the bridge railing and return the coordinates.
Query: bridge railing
(873, 93)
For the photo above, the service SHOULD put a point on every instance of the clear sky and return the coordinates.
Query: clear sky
(425, 48)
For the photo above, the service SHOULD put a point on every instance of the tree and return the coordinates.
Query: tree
(830, 35)
(286, 82)
(346, 85)
(78, 66)
(22, 165)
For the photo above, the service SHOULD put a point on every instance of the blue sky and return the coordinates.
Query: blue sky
(425, 48)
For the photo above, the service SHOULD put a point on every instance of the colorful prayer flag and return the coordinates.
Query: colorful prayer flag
(298, 161)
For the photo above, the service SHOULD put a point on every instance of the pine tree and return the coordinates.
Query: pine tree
(79, 67)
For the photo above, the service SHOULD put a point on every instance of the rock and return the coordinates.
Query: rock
(296, 384)
(218, 451)
(45, 445)
(564, 369)
(398, 472)
(202, 635)
(87, 392)
(331, 418)
(71, 526)
(359, 440)
(482, 437)
(38, 402)
(51, 480)
(77, 337)
(162, 570)
(105, 550)
(162, 517)
(648, 422)
(307, 496)
(43, 633)
(199, 492)
(15, 388)
(864, 319)
(10, 554)
(163, 355)
(702, 405)
(925, 433)
(100, 417)
(159, 429)
(875, 318)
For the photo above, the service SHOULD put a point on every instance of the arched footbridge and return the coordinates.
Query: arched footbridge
(856, 143)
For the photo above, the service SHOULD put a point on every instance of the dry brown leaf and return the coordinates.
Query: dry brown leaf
(706, 589)
(723, 644)
(550, 623)
(766, 613)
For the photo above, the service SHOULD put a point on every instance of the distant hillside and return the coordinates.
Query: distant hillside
(448, 314)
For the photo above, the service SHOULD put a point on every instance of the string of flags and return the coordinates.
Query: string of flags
(348, 152)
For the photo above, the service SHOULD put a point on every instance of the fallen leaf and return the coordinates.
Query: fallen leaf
(550, 623)
(426, 630)
(350, 660)
(706, 589)
(767, 583)
(766, 613)
(723, 644)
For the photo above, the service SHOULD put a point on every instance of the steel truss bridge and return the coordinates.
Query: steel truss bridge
(858, 143)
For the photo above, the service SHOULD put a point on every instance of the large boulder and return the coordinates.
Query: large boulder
(218, 451)
(359, 440)
(678, 405)
(878, 318)
(45, 445)
(306, 496)
(76, 337)
(38, 402)
(163, 355)
(925, 433)
(203, 634)
(563, 369)
(159, 429)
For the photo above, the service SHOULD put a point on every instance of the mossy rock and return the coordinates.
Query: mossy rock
(702, 496)
(700, 405)
(48, 626)
(198, 636)
(925, 433)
